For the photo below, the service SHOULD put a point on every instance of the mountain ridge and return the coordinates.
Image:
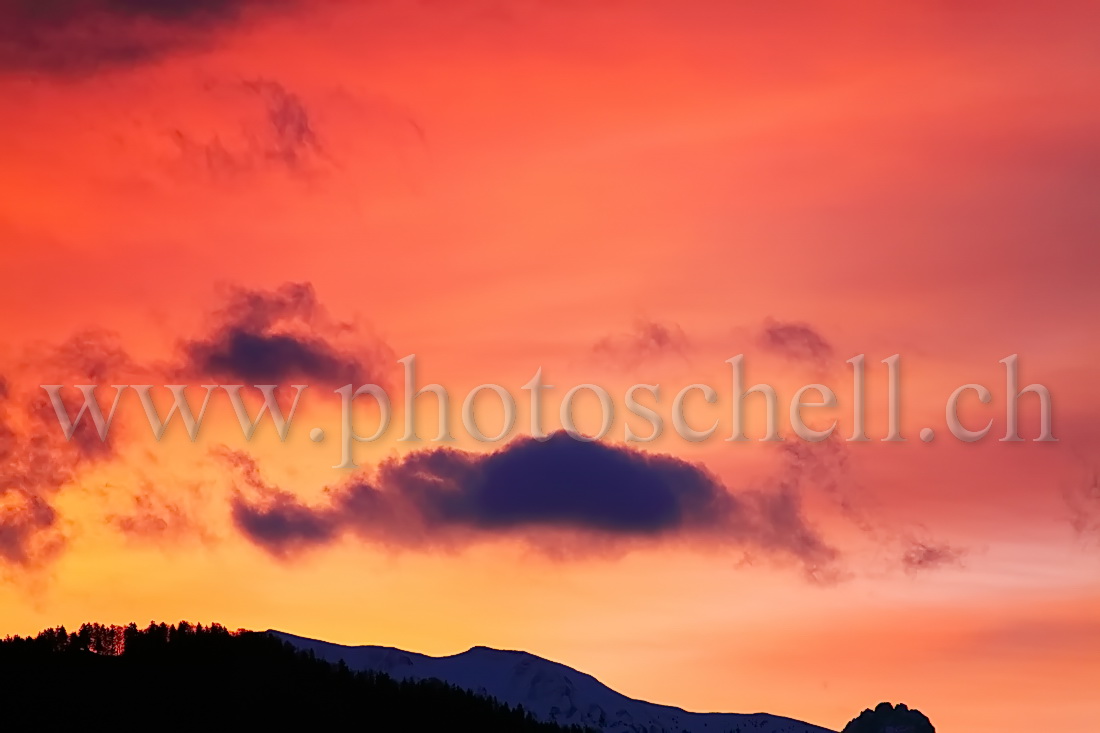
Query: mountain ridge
(549, 690)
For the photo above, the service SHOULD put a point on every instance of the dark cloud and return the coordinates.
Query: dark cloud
(646, 340)
(795, 341)
(284, 525)
(277, 521)
(273, 336)
(80, 37)
(926, 555)
(561, 482)
(529, 488)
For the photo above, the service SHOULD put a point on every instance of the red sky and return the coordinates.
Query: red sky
(618, 193)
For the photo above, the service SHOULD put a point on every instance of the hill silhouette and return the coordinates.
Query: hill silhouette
(887, 718)
(194, 677)
(550, 691)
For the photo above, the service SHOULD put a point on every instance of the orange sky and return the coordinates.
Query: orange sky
(618, 193)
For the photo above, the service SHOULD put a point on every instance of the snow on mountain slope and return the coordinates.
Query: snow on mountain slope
(550, 691)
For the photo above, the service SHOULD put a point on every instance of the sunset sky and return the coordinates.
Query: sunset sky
(616, 193)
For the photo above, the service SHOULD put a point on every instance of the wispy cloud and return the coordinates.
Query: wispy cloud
(262, 125)
(796, 341)
(646, 340)
(36, 461)
(920, 555)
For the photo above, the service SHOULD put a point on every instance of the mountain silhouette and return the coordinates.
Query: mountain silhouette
(188, 678)
(549, 691)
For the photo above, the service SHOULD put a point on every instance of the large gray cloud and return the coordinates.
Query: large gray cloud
(584, 489)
